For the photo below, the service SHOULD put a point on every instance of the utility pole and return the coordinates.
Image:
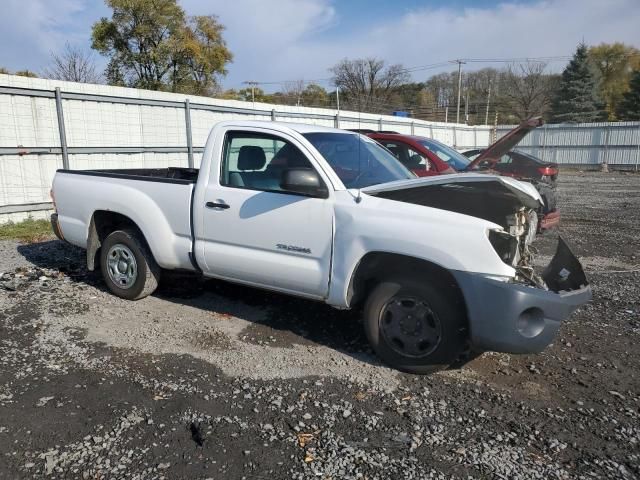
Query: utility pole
(486, 115)
(253, 84)
(466, 108)
(337, 98)
(459, 62)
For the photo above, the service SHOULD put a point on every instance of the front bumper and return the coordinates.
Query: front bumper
(515, 318)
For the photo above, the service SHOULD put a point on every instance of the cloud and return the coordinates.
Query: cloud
(31, 29)
(288, 40)
(263, 35)
(539, 29)
(301, 39)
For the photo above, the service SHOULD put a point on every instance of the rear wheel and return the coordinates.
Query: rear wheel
(127, 265)
(415, 326)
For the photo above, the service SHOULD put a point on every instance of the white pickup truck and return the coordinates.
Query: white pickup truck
(440, 265)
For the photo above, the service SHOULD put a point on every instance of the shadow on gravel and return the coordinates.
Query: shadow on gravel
(276, 320)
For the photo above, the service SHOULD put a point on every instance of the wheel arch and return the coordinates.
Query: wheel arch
(102, 223)
(377, 266)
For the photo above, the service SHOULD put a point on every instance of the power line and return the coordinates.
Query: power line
(252, 84)
(419, 68)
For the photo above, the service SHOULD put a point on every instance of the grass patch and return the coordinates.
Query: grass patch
(29, 230)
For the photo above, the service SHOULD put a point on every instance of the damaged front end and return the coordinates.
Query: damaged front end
(513, 245)
(506, 202)
(564, 273)
(518, 314)
(523, 315)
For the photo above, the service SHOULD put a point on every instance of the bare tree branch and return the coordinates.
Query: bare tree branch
(528, 89)
(366, 83)
(73, 65)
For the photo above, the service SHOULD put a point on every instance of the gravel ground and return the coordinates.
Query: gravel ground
(210, 380)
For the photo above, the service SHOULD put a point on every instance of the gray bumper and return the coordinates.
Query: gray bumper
(515, 318)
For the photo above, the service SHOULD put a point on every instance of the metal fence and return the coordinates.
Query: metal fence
(46, 125)
(585, 145)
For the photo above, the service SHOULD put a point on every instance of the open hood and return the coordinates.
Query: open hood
(500, 200)
(525, 193)
(497, 149)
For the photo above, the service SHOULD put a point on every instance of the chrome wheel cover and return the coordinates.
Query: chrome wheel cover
(122, 266)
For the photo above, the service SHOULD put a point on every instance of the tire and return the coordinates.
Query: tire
(127, 265)
(427, 349)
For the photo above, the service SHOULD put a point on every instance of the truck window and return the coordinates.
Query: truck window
(358, 160)
(256, 161)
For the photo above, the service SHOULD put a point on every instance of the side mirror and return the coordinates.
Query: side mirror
(304, 181)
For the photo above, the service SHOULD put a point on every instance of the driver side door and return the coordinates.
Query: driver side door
(254, 231)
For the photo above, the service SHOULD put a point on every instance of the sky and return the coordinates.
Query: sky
(289, 40)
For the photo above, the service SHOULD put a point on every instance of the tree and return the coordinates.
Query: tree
(251, 94)
(73, 65)
(315, 96)
(26, 73)
(629, 106)
(230, 94)
(296, 93)
(577, 98)
(4, 71)
(366, 84)
(292, 92)
(615, 64)
(443, 87)
(200, 56)
(152, 44)
(527, 89)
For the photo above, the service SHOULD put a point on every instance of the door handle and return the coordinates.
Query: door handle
(221, 205)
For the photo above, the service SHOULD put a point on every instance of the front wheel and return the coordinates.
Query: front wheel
(416, 326)
(127, 265)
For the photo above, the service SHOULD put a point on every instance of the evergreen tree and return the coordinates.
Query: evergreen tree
(577, 99)
(629, 107)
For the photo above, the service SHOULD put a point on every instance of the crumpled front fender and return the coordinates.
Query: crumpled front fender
(516, 318)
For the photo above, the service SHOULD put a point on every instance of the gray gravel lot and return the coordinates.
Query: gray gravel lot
(210, 380)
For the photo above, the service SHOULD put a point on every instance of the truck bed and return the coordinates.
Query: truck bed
(158, 200)
(167, 175)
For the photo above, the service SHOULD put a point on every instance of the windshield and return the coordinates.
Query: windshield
(448, 154)
(357, 160)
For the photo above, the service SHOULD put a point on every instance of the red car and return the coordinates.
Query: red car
(425, 156)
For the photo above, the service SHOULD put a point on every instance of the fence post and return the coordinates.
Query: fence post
(380, 124)
(413, 128)
(455, 137)
(605, 162)
(61, 130)
(336, 120)
(475, 138)
(273, 114)
(544, 142)
(638, 149)
(187, 122)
